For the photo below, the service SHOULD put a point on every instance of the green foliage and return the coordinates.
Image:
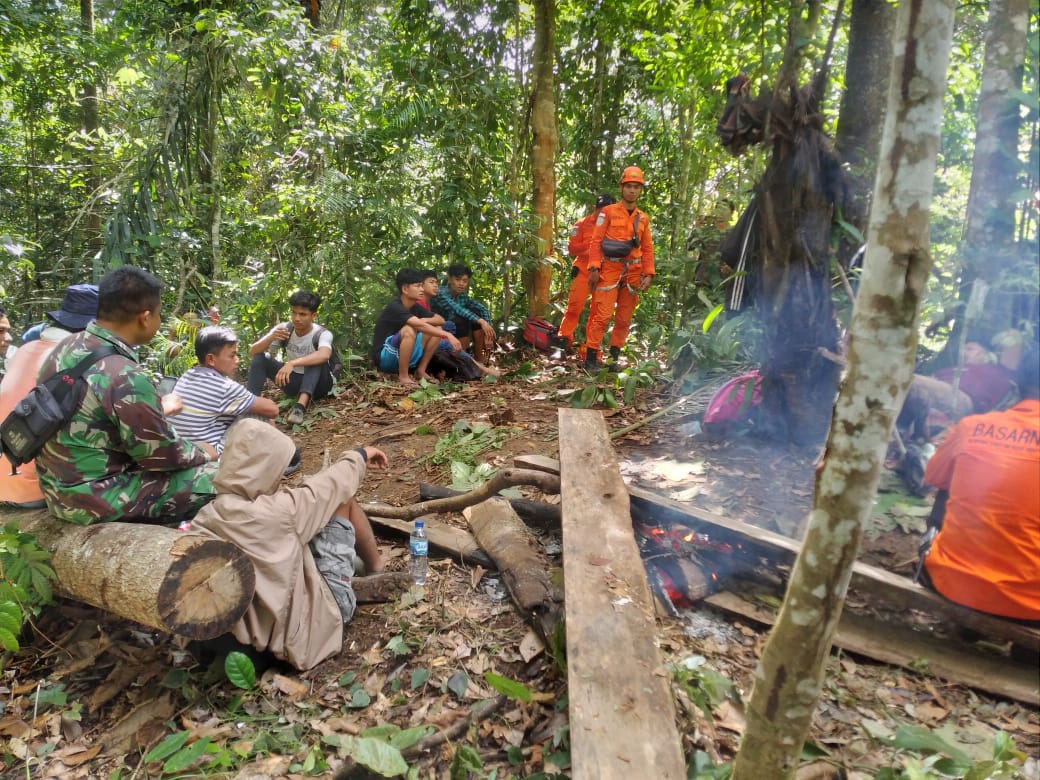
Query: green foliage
(705, 687)
(465, 761)
(931, 757)
(428, 392)
(701, 767)
(377, 753)
(598, 391)
(507, 687)
(465, 442)
(25, 582)
(240, 670)
(467, 477)
(632, 378)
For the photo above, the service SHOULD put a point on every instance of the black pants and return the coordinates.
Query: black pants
(315, 380)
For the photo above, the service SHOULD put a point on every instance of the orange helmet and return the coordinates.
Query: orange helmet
(632, 173)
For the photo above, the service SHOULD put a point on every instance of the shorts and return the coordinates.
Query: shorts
(333, 551)
(445, 344)
(390, 354)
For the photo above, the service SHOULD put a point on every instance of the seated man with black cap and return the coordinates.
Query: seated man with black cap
(77, 311)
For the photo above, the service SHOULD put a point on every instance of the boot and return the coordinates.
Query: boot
(592, 360)
(615, 354)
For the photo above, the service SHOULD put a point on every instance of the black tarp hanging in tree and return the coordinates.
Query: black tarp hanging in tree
(786, 250)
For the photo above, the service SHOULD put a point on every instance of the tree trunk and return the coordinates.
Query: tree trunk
(92, 223)
(600, 75)
(543, 155)
(990, 233)
(863, 102)
(179, 583)
(881, 354)
(211, 161)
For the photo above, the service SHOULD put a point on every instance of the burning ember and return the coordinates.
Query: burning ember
(683, 565)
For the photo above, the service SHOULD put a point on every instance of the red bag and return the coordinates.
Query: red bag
(539, 333)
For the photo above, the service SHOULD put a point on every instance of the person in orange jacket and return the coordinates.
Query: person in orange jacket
(986, 554)
(621, 265)
(578, 248)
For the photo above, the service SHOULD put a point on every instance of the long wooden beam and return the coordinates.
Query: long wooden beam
(897, 592)
(903, 646)
(622, 716)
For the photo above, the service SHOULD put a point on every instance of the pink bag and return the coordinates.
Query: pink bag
(734, 400)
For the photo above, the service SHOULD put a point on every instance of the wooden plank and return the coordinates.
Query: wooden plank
(622, 712)
(457, 542)
(896, 591)
(902, 646)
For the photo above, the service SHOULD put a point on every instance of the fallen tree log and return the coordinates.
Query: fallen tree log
(897, 592)
(504, 537)
(179, 583)
(534, 513)
(511, 477)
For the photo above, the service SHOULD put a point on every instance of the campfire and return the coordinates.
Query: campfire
(684, 565)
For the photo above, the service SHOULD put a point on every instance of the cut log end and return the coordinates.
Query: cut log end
(203, 594)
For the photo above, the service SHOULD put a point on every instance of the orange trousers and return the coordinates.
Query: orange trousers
(579, 295)
(618, 302)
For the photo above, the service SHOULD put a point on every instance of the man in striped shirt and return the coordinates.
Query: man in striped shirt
(212, 399)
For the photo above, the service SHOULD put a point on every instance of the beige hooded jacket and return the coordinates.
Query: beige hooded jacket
(293, 613)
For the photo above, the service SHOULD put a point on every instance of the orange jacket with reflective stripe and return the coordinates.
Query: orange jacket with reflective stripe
(578, 245)
(987, 555)
(615, 221)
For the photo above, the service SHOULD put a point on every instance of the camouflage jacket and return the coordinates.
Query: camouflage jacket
(93, 467)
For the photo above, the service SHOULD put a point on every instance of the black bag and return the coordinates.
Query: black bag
(335, 361)
(455, 366)
(617, 250)
(44, 410)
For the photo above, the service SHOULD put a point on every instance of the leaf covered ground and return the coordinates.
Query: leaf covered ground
(448, 681)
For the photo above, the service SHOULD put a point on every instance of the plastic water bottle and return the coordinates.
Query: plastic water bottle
(419, 548)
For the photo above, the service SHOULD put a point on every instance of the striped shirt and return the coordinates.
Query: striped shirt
(212, 402)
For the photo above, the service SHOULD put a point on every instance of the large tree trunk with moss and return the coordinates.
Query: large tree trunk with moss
(543, 156)
(881, 354)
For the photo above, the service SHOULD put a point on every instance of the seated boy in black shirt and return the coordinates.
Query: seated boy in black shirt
(397, 346)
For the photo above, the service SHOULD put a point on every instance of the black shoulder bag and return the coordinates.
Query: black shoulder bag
(44, 410)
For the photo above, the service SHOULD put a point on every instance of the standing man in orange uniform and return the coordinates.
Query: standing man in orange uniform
(621, 265)
(578, 248)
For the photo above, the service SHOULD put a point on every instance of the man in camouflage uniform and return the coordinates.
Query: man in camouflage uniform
(118, 458)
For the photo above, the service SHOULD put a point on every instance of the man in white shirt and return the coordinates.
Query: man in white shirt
(306, 372)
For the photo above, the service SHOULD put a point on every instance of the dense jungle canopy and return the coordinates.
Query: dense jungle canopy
(243, 150)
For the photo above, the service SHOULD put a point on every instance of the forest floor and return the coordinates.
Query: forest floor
(90, 695)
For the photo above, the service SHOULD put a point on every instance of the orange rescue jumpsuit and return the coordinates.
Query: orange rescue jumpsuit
(578, 247)
(618, 278)
(987, 554)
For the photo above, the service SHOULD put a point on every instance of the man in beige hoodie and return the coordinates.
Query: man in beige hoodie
(301, 540)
